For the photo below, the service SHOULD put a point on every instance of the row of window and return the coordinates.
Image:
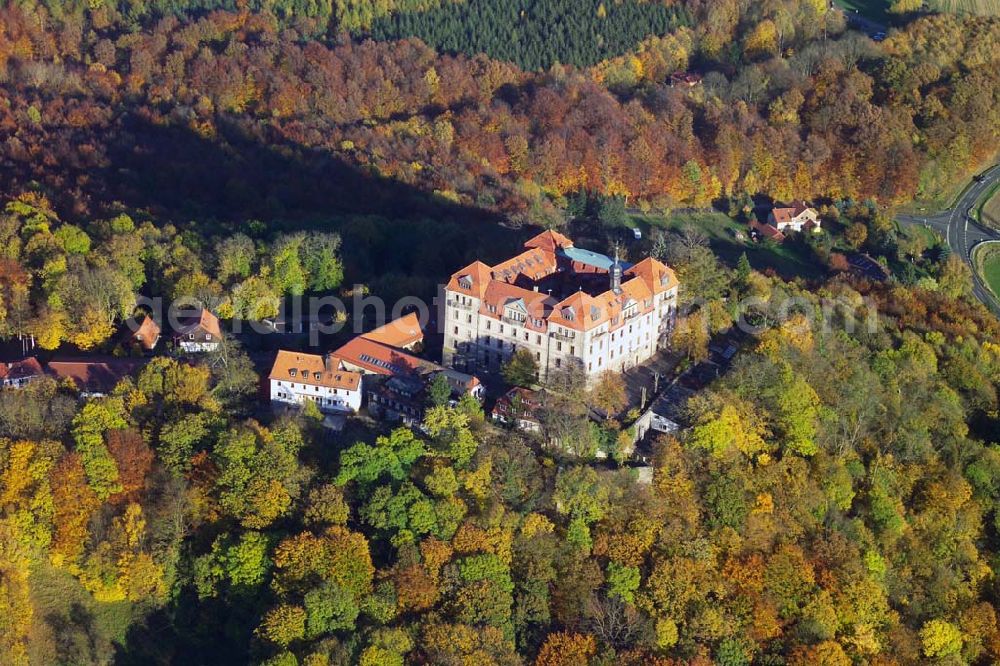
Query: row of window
(319, 400)
(305, 387)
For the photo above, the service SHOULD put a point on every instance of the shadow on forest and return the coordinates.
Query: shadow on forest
(244, 173)
(192, 632)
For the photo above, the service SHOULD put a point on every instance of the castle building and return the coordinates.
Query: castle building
(561, 303)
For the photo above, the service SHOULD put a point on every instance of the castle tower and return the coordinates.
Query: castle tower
(616, 274)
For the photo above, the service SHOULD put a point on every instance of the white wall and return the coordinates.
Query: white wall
(327, 399)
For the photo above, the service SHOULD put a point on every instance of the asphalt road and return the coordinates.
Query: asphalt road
(962, 233)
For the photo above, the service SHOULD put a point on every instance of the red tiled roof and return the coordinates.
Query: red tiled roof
(314, 370)
(147, 333)
(95, 376)
(378, 358)
(401, 332)
(499, 294)
(204, 320)
(478, 275)
(785, 214)
(767, 230)
(29, 367)
(533, 263)
(525, 400)
(549, 240)
(657, 276)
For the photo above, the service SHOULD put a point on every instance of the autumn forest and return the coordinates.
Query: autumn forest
(834, 496)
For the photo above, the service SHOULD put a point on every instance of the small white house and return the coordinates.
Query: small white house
(297, 377)
(18, 374)
(200, 333)
(794, 217)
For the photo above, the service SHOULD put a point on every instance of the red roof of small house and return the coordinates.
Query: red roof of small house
(95, 375)
(204, 320)
(526, 399)
(29, 367)
(147, 333)
(400, 333)
(688, 78)
(768, 231)
(784, 214)
(314, 370)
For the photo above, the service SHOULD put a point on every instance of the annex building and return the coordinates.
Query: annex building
(561, 303)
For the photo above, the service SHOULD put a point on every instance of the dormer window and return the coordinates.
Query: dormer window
(465, 282)
(190, 336)
(292, 372)
(316, 375)
(305, 373)
(595, 314)
(208, 336)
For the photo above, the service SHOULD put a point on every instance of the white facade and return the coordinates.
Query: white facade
(198, 347)
(328, 399)
(477, 342)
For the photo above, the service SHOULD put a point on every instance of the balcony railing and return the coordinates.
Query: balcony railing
(460, 305)
(564, 337)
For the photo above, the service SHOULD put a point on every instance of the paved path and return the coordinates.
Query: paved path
(961, 232)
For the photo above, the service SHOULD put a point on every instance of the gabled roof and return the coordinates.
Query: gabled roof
(379, 359)
(577, 312)
(29, 367)
(147, 333)
(657, 276)
(314, 370)
(533, 304)
(549, 240)
(401, 332)
(768, 230)
(472, 279)
(533, 263)
(95, 375)
(785, 214)
(203, 320)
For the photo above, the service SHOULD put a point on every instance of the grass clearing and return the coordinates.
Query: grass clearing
(980, 7)
(986, 259)
(789, 259)
(70, 627)
(989, 209)
(876, 10)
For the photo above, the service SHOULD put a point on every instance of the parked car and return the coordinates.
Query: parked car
(637, 233)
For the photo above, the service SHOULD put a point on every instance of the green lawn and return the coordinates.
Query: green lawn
(70, 627)
(980, 7)
(991, 272)
(788, 259)
(876, 10)
(988, 211)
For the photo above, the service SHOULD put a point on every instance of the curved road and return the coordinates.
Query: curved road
(962, 233)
